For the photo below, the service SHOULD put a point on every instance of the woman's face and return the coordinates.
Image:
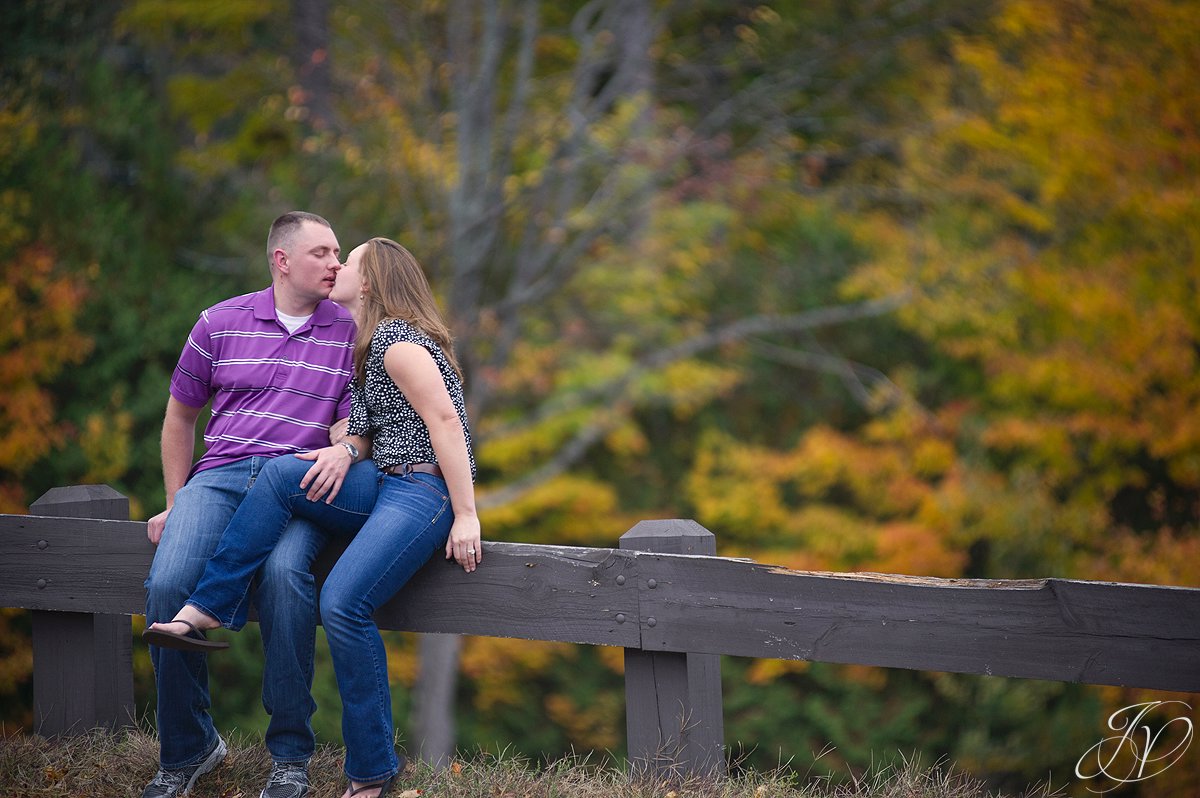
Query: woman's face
(348, 286)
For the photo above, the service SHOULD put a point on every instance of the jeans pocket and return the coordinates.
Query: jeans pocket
(439, 492)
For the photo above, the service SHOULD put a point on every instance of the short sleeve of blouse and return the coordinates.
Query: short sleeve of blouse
(396, 331)
(359, 423)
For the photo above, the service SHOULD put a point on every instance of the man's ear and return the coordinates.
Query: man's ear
(280, 259)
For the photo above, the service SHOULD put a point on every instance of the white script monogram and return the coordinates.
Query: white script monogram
(1138, 741)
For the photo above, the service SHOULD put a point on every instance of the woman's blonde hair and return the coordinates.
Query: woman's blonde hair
(397, 289)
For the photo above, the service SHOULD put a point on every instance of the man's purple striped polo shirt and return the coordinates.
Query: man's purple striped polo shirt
(272, 393)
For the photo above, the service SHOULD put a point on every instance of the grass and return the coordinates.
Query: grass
(101, 765)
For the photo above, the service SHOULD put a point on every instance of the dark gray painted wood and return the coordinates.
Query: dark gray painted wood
(1131, 635)
(669, 536)
(560, 593)
(521, 590)
(74, 564)
(82, 663)
(1092, 632)
(657, 712)
(674, 715)
(97, 501)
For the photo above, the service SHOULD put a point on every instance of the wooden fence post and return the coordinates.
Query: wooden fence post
(672, 700)
(82, 663)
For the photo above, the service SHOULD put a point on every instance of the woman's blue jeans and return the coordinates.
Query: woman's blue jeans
(397, 524)
(287, 613)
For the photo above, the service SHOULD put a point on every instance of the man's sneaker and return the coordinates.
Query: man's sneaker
(288, 780)
(173, 783)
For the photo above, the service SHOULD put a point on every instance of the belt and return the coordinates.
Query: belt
(404, 469)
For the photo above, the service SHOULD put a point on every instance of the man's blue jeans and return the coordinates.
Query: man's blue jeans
(287, 614)
(397, 524)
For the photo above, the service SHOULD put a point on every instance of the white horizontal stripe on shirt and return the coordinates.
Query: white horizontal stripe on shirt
(308, 339)
(275, 416)
(284, 389)
(278, 361)
(287, 447)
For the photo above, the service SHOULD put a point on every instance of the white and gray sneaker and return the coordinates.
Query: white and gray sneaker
(288, 780)
(173, 783)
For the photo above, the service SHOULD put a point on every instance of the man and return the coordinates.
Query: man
(276, 367)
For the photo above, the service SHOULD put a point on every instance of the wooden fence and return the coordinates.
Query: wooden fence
(662, 596)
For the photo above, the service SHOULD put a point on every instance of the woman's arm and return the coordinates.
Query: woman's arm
(416, 374)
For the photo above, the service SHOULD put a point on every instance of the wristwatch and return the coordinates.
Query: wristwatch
(350, 447)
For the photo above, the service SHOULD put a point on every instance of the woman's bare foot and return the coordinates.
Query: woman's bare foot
(193, 616)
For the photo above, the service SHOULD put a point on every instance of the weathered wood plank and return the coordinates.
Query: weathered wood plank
(560, 593)
(82, 672)
(82, 662)
(658, 715)
(1097, 633)
(74, 564)
(674, 709)
(1101, 633)
(555, 593)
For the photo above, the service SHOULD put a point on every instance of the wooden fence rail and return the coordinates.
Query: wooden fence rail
(662, 596)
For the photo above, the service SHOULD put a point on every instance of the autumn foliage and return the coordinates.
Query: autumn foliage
(38, 338)
(894, 286)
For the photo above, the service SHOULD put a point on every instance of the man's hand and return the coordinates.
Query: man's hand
(178, 442)
(155, 526)
(325, 477)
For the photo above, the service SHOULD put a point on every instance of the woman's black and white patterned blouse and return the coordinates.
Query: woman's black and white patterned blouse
(381, 411)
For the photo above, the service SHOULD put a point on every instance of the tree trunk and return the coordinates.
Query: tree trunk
(310, 59)
(615, 38)
(431, 726)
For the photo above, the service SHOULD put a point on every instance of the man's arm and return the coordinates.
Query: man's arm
(178, 447)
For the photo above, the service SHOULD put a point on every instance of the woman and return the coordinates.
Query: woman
(416, 496)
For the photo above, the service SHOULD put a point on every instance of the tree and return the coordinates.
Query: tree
(565, 215)
(39, 337)
(1056, 251)
(37, 340)
(1045, 223)
(601, 191)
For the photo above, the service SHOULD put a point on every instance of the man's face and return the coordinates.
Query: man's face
(310, 262)
(349, 280)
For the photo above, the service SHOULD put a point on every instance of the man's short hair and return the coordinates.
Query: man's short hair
(283, 228)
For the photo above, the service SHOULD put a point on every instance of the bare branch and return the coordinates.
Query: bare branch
(614, 394)
(310, 58)
(563, 459)
(860, 379)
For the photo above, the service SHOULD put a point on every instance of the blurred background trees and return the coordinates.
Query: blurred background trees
(896, 286)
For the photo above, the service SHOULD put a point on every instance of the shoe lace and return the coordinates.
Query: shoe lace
(287, 773)
(168, 780)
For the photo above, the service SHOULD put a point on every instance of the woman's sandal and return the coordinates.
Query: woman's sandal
(191, 641)
(383, 785)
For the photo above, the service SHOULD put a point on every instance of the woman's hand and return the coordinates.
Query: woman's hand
(464, 544)
(328, 472)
